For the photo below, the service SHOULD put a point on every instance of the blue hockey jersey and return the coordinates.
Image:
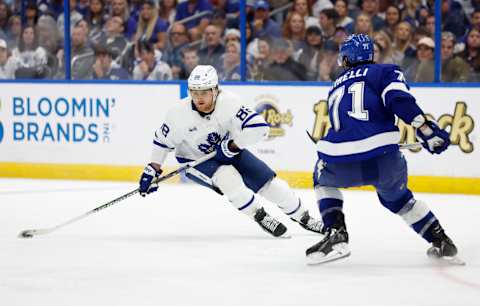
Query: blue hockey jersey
(362, 104)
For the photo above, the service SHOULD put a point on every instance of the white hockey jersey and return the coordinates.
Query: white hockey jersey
(192, 136)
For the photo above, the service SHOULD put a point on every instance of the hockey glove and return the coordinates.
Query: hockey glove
(435, 139)
(146, 186)
(225, 155)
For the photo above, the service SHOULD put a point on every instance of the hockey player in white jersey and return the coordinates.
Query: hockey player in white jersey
(361, 148)
(212, 119)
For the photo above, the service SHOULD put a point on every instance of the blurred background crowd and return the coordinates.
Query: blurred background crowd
(285, 40)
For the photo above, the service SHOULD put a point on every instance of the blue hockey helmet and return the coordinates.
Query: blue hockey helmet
(356, 48)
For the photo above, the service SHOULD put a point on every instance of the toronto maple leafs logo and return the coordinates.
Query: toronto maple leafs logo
(212, 139)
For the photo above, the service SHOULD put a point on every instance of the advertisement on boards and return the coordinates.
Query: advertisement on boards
(292, 111)
(81, 123)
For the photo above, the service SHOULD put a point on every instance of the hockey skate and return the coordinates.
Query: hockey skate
(443, 248)
(310, 224)
(333, 247)
(269, 224)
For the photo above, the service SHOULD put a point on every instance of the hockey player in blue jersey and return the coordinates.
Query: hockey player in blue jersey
(213, 119)
(361, 148)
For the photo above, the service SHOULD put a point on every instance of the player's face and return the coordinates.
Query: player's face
(203, 100)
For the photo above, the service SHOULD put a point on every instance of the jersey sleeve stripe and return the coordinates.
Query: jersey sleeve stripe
(358, 146)
(255, 125)
(162, 145)
(248, 119)
(394, 86)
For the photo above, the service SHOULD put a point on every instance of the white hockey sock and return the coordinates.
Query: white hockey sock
(230, 182)
(278, 192)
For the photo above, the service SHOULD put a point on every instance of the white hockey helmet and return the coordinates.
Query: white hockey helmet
(203, 77)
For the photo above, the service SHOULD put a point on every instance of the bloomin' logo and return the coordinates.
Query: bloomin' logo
(267, 107)
(58, 119)
(461, 125)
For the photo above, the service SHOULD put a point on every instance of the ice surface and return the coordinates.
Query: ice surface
(184, 245)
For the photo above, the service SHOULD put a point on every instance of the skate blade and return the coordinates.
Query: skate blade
(339, 251)
(449, 260)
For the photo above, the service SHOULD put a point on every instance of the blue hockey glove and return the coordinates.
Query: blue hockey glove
(146, 186)
(225, 155)
(435, 139)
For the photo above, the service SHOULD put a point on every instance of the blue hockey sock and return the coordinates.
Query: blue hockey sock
(329, 209)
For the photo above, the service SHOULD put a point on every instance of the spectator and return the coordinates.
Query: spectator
(378, 54)
(214, 50)
(192, 7)
(312, 53)
(232, 35)
(112, 36)
(410, 11)
(320, 5)
(453, 18)
(341, 7)
(294, 31)
(75, 17)
(49, 39)
(5, 13)
(340, 35)
(385, 44)
(15, 29)
(430, 25)
(260, 59)
(82, 55)
(168, 11)
(149, 67)
(475, 20)
(219, 20)
(262, 25)
(48, 35)
(30, 58)
(363, 25)
(421, 69)
(178, 40)
(328, 69)
(402, 46)
(283, 67)
(31, 14)
(7, 64)
(105, 68)
(392, 19)
(304, 8)
(54, 7)
(370, 7)
(231, 63)
(454, 68)
(190, 60)
(95, 16)
(328, 20)
(471, 54)
(120, 9)
(150, 27)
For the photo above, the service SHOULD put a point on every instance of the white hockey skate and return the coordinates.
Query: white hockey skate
(311, 224)
(270, 224)
(333, 247)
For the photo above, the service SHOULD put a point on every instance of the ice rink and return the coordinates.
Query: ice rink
(184, 245)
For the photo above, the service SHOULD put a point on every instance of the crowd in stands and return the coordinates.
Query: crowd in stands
(286, 40)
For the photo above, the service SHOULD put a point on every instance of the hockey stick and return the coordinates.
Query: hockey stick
(42, 231)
